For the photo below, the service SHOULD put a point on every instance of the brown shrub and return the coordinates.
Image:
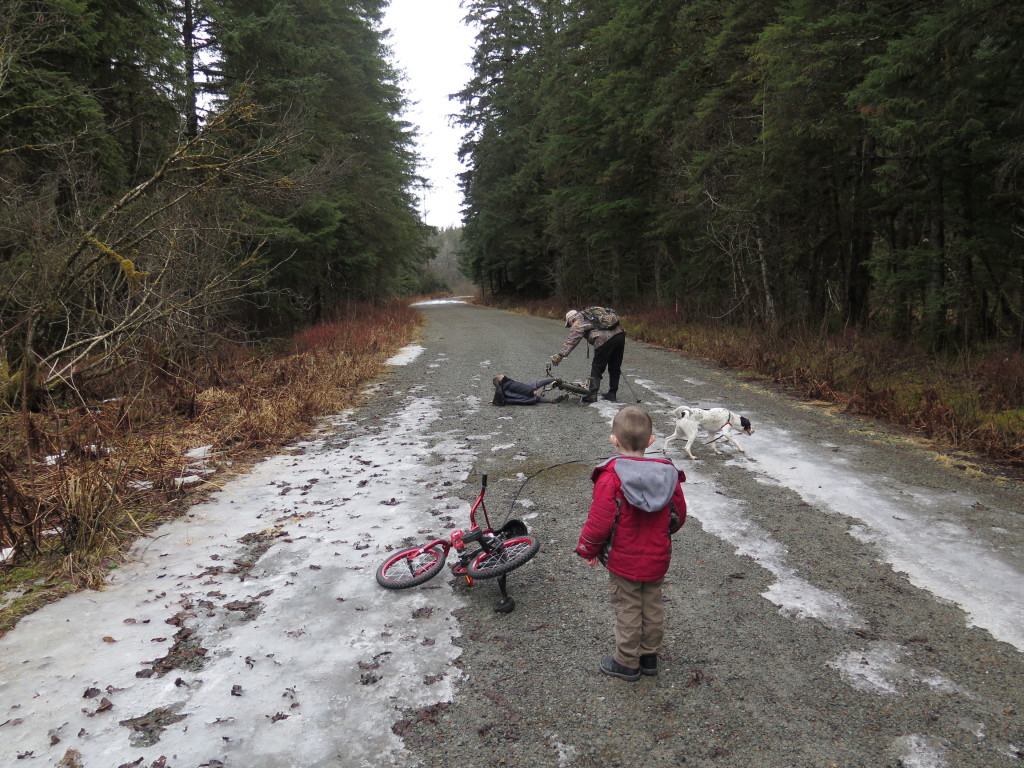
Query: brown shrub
(129, 451)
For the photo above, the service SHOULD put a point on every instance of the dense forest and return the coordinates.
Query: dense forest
(444, 270)
(175, 171)
(775, 163)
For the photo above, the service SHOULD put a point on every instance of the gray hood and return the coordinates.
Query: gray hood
(646, 484)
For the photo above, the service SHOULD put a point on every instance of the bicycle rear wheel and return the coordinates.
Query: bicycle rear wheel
(509, 556)
(576, 389)
(411, 567)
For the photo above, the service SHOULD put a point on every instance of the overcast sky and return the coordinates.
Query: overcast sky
(433, 48)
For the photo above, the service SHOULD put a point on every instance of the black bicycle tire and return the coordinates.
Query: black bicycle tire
(574, 388)
(509, 556)
(423, 575)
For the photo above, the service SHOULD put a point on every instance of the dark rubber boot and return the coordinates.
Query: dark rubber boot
(593, 385)
(610, 396)
(649, 664)
(611, 667)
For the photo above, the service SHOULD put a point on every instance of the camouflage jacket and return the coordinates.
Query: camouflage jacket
(582, 329)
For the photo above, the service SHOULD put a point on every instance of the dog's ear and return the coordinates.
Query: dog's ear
(747, 426)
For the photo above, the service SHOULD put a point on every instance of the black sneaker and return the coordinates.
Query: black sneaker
(611, 667)
(591, 398)
(649, 664)
(610, 396)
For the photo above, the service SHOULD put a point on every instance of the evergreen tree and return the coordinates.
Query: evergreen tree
(321, 68)
(506, 249)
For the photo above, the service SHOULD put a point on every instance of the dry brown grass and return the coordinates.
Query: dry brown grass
(116, 463)
(961, 404)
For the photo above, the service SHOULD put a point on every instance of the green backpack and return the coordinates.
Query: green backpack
(603, 318)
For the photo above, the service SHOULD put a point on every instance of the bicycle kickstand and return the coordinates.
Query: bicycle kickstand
(506, 604)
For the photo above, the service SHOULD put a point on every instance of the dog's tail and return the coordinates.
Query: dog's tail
(682, 412)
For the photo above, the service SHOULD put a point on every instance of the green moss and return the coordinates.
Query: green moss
(27, 588)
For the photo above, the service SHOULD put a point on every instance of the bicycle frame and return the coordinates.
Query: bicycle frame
(499, 553)
(565, 386)
(458, 539)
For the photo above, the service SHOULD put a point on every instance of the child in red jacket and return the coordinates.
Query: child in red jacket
(638, 504)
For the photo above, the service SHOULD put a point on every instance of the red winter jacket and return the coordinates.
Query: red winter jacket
(643, 494)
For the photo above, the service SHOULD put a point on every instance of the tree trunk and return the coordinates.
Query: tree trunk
(188, 37)
(935, 303)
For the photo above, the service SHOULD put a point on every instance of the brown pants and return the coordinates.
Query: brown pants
(639, 618)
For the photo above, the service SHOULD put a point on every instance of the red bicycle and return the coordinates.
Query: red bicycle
(498, 552)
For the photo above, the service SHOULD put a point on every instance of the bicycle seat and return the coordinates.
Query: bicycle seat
(512, 529)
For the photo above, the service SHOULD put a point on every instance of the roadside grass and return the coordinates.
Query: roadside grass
(80, 481)
(971, 403)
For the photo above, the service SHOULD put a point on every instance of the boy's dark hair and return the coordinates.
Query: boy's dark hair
(632, 427)
(497, 379)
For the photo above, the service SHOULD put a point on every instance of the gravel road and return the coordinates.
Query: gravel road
(838, 597)
(798, 634)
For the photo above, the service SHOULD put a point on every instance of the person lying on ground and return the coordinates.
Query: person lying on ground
(511, 392)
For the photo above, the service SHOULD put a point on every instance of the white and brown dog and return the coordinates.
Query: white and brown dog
(719, 423)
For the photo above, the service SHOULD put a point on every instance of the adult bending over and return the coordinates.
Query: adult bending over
(608, 343)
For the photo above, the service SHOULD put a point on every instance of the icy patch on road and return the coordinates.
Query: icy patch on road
(257, 618)
(882, 668)
(917, 751)
(405, 355)
(438, 302)
(794, 595)
(566, 752)
(917, 531)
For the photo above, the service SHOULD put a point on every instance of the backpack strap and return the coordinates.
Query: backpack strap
(602, 556)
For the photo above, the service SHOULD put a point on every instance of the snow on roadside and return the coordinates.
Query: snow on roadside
(405, 355)
(916, 530)
(267, 591)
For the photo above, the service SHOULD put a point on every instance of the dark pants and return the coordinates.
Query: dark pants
(540, 384)
(608, 356)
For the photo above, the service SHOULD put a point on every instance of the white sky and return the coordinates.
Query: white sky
(331, 661)
(433, 48)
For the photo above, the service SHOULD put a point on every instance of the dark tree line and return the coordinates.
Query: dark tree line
(175, 170)
(823, 164)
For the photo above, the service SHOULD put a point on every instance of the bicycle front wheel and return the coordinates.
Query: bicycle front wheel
(509, 556)
(411, 567)
(576, 389)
